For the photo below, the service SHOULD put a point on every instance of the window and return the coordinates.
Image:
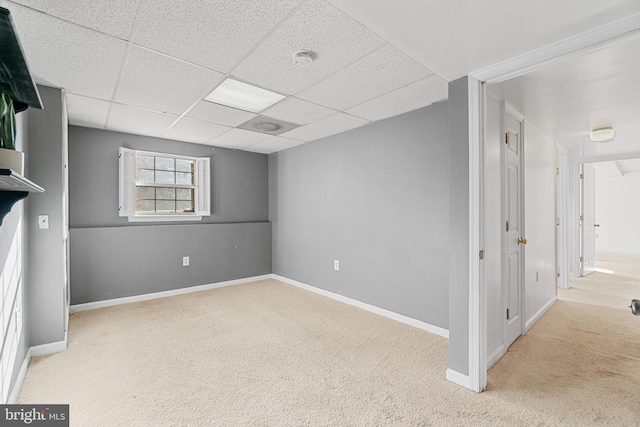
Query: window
(163, 187)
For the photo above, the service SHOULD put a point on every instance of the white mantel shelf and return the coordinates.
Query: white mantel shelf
(11, 181)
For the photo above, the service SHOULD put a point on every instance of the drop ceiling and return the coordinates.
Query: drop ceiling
(146, 66)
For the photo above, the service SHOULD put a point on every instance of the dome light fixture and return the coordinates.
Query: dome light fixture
(602, 134)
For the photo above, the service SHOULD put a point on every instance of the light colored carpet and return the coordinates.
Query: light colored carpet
(269, 354)
(621, 265)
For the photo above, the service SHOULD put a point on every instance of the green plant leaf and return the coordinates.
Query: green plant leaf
(3, 113)
(8, 122)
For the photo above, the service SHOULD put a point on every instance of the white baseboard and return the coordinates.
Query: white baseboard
(496, 355)
(458, 378)
(368, 307)
(39, 350)
(15, 391)
(145, 297)
(50, 348)
(529, 323)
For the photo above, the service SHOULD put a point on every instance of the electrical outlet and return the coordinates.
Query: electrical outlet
(43, 222)
(185, 261)
(336, 265)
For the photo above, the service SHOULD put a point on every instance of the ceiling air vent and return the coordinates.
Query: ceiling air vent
(268, 125)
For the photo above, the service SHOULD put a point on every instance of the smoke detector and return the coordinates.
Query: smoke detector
(304, 57)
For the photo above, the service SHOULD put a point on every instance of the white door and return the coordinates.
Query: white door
(587, 220)
(514, 227)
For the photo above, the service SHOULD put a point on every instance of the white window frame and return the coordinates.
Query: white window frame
(127, 188)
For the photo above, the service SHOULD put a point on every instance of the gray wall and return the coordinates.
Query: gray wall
(377, 199)
(45, 249)
(114, 262)
(112, 258)
(459, 226)
(239, 179)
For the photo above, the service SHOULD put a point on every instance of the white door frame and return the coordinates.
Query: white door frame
(514, 67)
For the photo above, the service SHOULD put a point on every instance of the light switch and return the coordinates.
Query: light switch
(43, 222)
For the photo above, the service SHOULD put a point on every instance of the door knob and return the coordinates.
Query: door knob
(596, 225)
(522, 241)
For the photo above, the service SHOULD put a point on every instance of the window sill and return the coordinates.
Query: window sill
(164, 218)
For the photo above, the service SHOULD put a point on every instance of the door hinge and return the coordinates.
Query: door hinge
(481, 254)
(581, 259)
(557, 221)
(581, 176)
(507, 225)
(506, 138)
(508, 315)
(558, 272)
(557, 171)
(581, 217)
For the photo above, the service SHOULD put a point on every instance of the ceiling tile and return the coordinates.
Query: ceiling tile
(298, 111)
(68, 56)
(163, 84)
(114, 17)
(138, 121)
(214, 34)
(273, 145)
(194, 131)
(335, 38)
(380, 72)
(239, 138)
(408, 98)
(219, 114)
(87, 112)
(331, 125)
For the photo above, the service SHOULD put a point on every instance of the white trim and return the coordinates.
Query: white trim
(539, 314)
(496, 355)
(562, 239)
(50, 348)
(458, 378)
(477, 295)
(368, 307)
(561, 50)
(145, 297)
(22, 373)
(167, 218)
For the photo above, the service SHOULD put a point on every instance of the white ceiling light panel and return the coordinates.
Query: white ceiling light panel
(237, 94)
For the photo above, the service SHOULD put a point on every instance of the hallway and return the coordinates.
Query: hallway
(583, 357)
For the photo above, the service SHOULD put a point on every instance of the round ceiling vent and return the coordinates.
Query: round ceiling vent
(304, 57)
(267, 127)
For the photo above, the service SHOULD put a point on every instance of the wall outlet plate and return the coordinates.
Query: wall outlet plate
(336, 265)
(185, 261)
(43, 222)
